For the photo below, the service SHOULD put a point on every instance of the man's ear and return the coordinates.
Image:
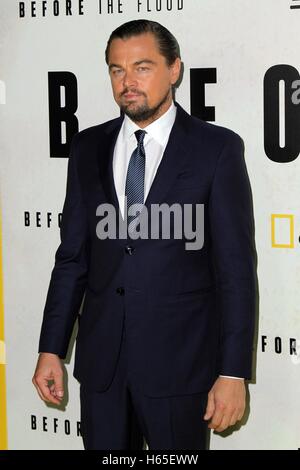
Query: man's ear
(176, 70)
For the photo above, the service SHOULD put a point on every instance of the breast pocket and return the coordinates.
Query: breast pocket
(188, 181)
(188, 190)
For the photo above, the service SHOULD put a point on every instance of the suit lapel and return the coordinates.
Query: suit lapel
(105, 158)
(172, 160)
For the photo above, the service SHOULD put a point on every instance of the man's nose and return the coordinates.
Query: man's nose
(129, 79)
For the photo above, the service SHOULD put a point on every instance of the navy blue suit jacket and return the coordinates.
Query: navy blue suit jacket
(189, 314)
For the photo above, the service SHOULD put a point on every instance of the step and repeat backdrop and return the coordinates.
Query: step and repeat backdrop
(241, 70)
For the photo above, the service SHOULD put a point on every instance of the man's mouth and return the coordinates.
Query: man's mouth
(131, 95)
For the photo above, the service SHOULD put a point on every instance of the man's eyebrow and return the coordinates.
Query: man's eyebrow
(138, 62)
(144, 61)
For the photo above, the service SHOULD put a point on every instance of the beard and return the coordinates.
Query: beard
(143, 112)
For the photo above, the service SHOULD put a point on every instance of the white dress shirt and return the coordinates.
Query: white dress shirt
(155, 142)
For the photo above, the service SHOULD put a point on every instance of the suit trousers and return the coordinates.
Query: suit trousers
(123, 418)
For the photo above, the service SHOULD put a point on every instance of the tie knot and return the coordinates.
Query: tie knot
(140, 134)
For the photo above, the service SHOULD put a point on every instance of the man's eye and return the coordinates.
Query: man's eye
(143, 69)
(117, 71)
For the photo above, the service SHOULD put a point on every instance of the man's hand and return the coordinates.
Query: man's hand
(226, 403)
(49, 368)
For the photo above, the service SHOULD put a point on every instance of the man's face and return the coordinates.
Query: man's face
(140, 77)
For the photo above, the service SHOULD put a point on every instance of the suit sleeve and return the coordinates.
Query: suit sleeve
(234, 255)
(69, 275)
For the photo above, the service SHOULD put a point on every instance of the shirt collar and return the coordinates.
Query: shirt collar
(158, 129)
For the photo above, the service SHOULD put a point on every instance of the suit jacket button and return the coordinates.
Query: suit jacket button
(120, 291)
(129, 249)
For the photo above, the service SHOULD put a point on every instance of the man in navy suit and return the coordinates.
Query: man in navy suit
(165, 334)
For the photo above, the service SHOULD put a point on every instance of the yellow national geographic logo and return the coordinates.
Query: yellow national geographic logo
(282, 231)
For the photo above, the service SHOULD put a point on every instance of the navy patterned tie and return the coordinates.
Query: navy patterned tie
(134, 188)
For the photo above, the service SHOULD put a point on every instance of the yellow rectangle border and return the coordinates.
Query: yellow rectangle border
(291, 219)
